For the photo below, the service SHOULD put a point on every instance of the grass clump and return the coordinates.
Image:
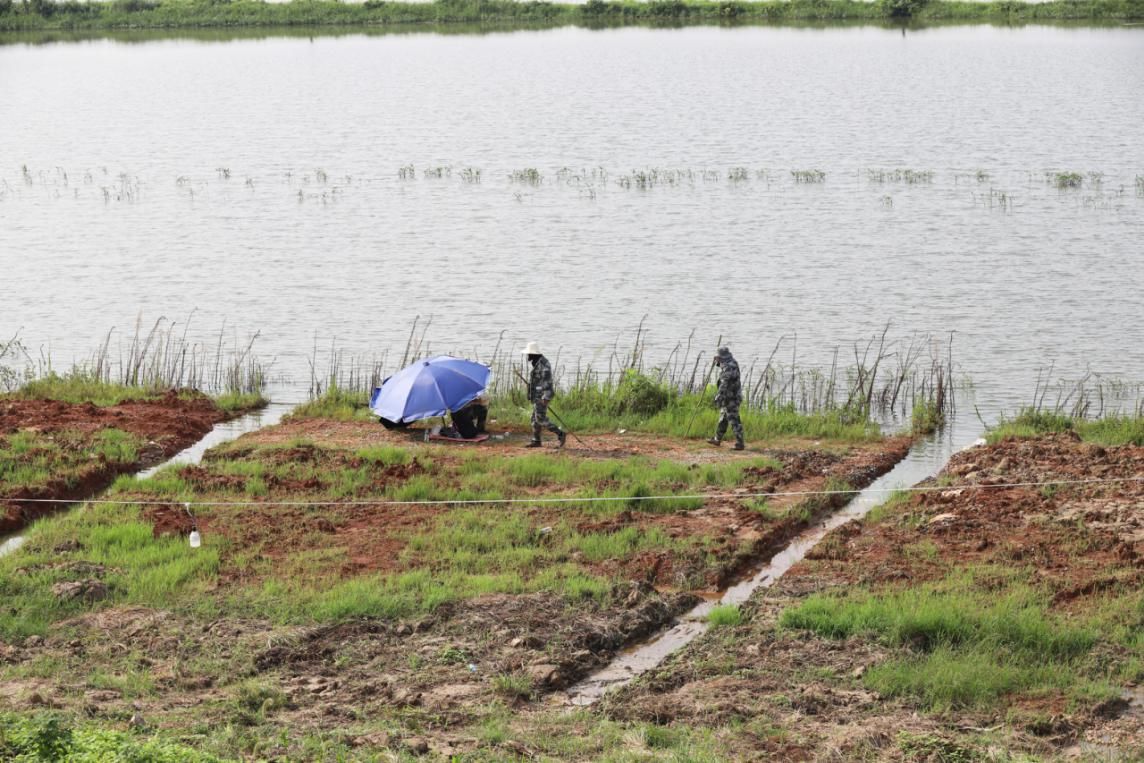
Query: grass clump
(238, 402)
(84, 388)
(724, 615)
(335, 403)
(1109, 430)
(926, 418)
(513, 685)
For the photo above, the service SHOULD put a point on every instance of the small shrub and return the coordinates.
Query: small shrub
(639, 395)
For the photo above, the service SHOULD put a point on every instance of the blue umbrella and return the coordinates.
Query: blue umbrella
(429, 388)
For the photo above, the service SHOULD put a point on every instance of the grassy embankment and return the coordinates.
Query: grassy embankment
(81, 388)
(45, 455)
(983, 632)
(137, 14)
(140, 407)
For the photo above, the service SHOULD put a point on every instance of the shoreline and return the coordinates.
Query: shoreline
(447, 16)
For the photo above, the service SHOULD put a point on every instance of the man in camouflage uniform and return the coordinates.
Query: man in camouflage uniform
(540, 392)
(728, 397)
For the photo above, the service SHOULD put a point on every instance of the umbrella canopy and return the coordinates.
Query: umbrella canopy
(428, 388)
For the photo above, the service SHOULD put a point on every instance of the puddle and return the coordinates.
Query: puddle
(11, 545)
(924, 460)
(224, 432)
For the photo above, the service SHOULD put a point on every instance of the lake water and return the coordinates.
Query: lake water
(261, 182)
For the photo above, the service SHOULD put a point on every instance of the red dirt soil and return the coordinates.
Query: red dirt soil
(169, 424)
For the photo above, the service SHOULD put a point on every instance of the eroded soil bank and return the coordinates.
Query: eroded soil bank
(65, 438)
(819, 669)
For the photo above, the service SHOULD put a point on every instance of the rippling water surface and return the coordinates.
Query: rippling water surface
(290, 185)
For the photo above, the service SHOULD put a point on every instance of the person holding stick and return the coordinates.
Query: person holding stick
(728, 396)
(541, 390)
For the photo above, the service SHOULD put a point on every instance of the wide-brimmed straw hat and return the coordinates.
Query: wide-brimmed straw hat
(532, 349)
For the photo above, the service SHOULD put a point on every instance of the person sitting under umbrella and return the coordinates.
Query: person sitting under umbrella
(432, 387)
(469, 421)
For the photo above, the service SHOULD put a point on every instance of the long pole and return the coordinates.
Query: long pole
(554, 413)
(699, 403)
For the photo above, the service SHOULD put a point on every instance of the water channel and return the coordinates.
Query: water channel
(924, 460)
(220, 433)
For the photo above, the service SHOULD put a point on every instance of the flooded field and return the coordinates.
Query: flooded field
(751, 183)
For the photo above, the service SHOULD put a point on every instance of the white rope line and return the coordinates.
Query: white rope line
(585, 499)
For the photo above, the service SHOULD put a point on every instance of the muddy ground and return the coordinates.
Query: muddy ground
(418, 685)
(798, 696)
(167, 425)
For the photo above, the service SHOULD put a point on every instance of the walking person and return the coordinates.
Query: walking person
(540, 392)
(728, 396)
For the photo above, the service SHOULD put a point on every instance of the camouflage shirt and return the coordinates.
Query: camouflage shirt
(540, 386)
(730, 389)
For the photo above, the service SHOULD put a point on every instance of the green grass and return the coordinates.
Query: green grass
(139, 569)
(692, 416)
(78, 387)
(1110, 430)
(42, 14)
(889, 507)
(964, 646)
(337, 404)
(237, 402)
(46, 738)
(926, 418)
(724, 615)
(636, 404)
(81, 388)
(33, 460)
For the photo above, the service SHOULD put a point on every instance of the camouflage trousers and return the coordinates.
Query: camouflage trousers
(540, 420)
(729, 414)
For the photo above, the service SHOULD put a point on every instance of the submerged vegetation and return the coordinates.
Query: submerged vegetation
(136, 14)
